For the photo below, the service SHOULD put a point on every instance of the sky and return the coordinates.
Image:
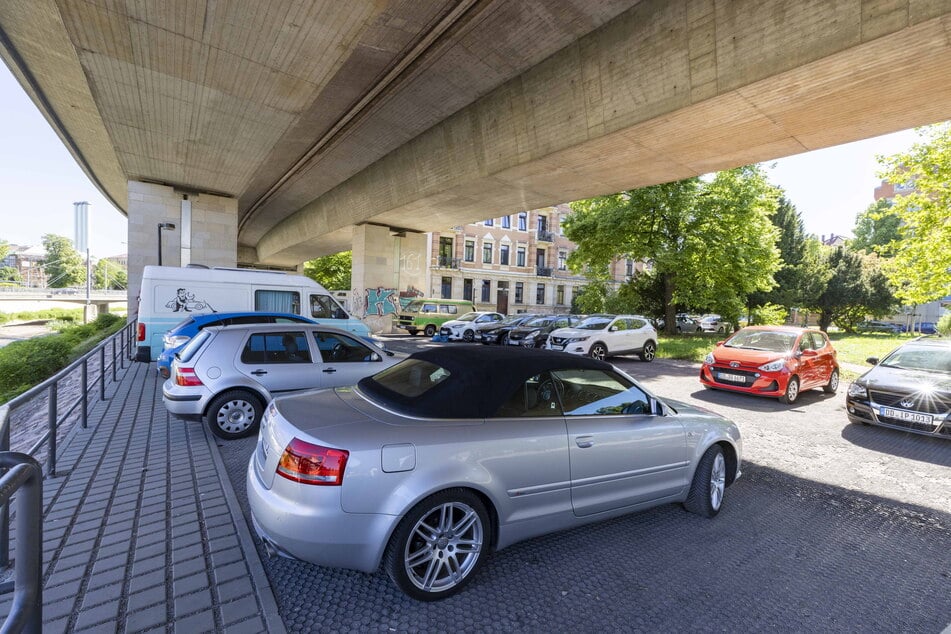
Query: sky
(40, 181)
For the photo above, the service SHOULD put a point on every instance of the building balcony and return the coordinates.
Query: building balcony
(543, 271)
(447, 262)
(545, 236)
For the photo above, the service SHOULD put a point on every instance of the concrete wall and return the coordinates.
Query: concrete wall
(205, 230)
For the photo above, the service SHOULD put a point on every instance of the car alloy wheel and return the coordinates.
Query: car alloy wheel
(468, 336)
(234, 414)
(708, 485)
(598, 351)
(439, 545)
(792, 392)
(648, 352)
(833, 385)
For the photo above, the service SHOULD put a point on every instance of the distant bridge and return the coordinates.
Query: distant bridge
(75, 295)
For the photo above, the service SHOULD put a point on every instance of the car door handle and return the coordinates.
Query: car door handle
(584, 441)
(330, 370)
(259, 372)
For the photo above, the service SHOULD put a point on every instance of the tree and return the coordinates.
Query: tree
(4, 249)
(877, 229)
(710, 243)
(63, 264)
(332, 271)
(794, 276)
(921, 266)
(109, 275)
(856, 288)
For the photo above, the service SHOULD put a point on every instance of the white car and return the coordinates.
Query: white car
(715, 323)
(601, 336)
(466, 327)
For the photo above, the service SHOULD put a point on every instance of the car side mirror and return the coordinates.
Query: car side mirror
(720, 343)
(375, 357)
(612, 329)
(871, 360)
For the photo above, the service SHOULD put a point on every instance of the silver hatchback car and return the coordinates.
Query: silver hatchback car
(225, 375)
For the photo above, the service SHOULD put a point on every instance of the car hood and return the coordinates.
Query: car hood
(900, 380)
(722, 354)
(687, 409)
(455, 323)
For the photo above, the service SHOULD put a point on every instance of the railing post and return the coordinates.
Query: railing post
(102, 373)
(122, 348)
(85, 395)
(5, 510)
(25, 478)
(113, 360)
(52, 423)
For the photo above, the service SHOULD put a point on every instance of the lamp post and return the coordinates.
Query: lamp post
(162, 225)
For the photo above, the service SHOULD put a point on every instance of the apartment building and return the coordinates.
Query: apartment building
(516, 263)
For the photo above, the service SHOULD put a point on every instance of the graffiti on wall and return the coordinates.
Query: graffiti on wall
(409, 295)
(409, 262)
(381, 301)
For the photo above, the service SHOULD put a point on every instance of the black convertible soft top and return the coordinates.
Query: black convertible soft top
(481, 378)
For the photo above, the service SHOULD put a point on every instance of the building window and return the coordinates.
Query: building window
(562, 260)
(486, 290)
(506, 222)
(519, 292)
(446, 288)
(489, 222)
(523, 221)
(504, 254)
(487, 252)
(470, 251)
(630, 267)
(540, 258)
(560, 294)
(542, 223)
(540, 294)
(520, 256)
(467, 289)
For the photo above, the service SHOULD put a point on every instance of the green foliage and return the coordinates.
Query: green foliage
(63, 265)
(877, 229)
(944, 325)
(332, 271)
(24, 364)
(9, 274)
(110, 276)
(769, 315)
(711, 244)
(4, 249)
(590, 299)
(921, 266)
(62, 314)
(856, 288)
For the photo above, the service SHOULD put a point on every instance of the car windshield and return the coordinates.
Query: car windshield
(771, 340)
(920, 358)
(594, 323)
(538, 322)
(467, 317)
(511, 319)
(414, 307)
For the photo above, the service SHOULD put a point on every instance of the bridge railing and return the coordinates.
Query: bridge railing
(40, 433)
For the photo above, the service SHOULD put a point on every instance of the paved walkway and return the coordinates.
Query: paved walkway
(142, 531)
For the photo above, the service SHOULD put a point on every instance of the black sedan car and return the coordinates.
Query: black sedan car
(498, 333)
(534, 333)
(910, 389)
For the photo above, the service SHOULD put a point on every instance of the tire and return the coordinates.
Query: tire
(721, 329)
(648, 352)
(709, 483)
(504, 339)
(430, 330)
(412, 333)
(833, 385)
(424, 558)
(468, 336)
(792, 392)
(598, 351)
(234, 414)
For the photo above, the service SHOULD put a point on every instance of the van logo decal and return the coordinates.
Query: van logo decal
(185, 301)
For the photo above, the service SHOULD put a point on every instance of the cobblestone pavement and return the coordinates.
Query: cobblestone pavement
(833, 527)
(139, 532)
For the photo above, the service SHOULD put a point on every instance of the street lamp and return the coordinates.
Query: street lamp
(163, 225)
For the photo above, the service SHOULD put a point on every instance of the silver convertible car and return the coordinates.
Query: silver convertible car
(429, 465)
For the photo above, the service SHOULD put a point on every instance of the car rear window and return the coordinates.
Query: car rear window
(411, 378)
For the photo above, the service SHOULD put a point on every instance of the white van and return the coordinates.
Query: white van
(169, 294)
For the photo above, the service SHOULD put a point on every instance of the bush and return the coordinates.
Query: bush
(944, 325)
(24, 364)
(769, 315)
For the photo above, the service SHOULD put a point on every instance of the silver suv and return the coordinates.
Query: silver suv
(601, 336)
(226, 374)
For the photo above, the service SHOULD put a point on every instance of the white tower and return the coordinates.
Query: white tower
(81, 226)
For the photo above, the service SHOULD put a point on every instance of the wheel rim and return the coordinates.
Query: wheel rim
(468, 336)
(649, 352)
(443, 547)
(597, 352)
(792, 390)
(834, 381)
(717, 481)
(235, 416)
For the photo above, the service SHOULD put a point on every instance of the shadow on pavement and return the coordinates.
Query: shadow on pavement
(895, 442)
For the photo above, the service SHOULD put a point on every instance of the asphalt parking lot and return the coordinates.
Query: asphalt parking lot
(833, 527)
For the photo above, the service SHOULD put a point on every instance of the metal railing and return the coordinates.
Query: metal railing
(24, 477)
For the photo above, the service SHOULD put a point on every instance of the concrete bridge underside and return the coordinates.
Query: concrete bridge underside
(287, 125)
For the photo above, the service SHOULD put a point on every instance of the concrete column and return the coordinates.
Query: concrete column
(206, 230)
(387, 265)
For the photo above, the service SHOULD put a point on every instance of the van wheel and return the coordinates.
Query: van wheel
(234, 414)
(430, 330)
(412, 332)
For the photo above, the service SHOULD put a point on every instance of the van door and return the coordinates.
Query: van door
(280, 361)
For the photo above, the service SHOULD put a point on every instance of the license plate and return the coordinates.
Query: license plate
(908, 417)
(736, 378)
(515, 342)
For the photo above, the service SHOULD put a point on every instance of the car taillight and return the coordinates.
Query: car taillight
(186, 377)
(140, 332)
(312, 464)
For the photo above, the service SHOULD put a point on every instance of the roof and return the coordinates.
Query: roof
(481, 379)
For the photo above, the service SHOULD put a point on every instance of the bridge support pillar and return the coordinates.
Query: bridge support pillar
(205, 230)
(388, 265)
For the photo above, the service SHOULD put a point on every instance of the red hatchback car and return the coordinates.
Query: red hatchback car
(778, 361)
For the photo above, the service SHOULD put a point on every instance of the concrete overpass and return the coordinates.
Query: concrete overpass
(276, 131)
